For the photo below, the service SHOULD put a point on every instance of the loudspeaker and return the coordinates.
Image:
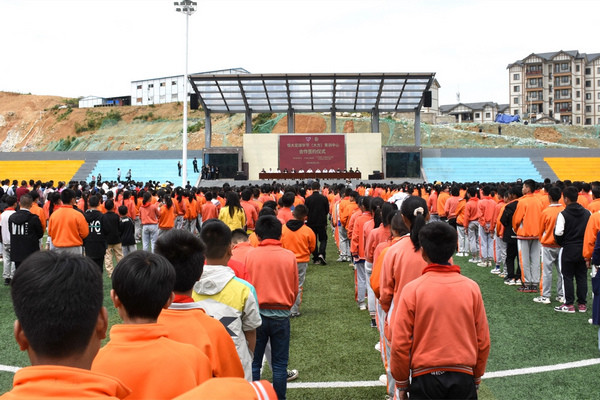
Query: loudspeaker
(194, 103)
(241, 176)
(427, 98)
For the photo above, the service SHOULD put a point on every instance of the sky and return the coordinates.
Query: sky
(76, 48)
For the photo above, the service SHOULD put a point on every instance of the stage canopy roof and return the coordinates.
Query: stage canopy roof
(297, 93)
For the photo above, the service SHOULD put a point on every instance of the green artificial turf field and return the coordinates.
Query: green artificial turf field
(332, 340)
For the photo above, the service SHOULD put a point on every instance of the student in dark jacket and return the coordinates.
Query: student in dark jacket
(25, 231)
(569, 232)
(510, 237)
(95, 242)
(318, 208)
(127, 229)
(112, 223)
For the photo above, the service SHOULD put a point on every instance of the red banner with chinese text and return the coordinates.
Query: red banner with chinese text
(304, 152)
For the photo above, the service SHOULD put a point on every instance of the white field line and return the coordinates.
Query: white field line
(489, 375)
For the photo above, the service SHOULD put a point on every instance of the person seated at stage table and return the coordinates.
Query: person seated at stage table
(357, 171)
(331, 170)
(318, 171)
(278, 171)
(301, 171)
(262, 171)
(309, 171)
(285, 171)
(338, 170)
(293, 170)
(351, 170)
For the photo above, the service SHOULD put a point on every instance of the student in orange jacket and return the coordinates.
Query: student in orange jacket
(500, 245)
(139, 349)
(149, 214)
(591, 232)
(471, 224)
(209, 209)
(250, 209)
(185, 319)
(301, 240)
(550, 249)
(284, 214)
(487, 208)
(346, 209)
(526, 223)
(440, 303)
(68, 226)
(441, 202)
(357, 249)
(231, 388)
(274, 273)
(166, 217)
(61, 353)
(594, 205)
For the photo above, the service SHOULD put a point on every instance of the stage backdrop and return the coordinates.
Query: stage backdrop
(304, 152)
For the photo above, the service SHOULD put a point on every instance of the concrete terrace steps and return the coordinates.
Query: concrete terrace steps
(490, 169)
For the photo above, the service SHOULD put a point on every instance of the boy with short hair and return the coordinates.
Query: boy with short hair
(185, 319)
(139, 351)
(46, 292)
(111, 224)
(301, 240)
(25, 232)
(127, 229)
(440, 303)
(95, 242)
(274, 273)
(225, 297)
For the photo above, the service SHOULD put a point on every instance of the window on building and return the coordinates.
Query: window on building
(477, 115)
(516, 88)
(174, 97)
(599, 108)
(578, 94)
(564, 67)
(588, 121)
(516, 100)
(139, 86)
(578, 107)
(173, 83)
(516, 77)
(578, 120)
(588, 83)
(515, 112)
(588, 71)
(577, 68)
(588, 109)
(139, 100)
(588, 96)
(577, 81)
(598, 83)
(163, 84)
(598, 70)
(488, 115)
(150, 86)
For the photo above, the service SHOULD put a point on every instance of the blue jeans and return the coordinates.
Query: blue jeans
(278, 331)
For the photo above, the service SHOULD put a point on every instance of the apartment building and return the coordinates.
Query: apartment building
(563, 85)
(474, 112)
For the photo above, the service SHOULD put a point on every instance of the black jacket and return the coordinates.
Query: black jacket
(506, 220)
(575, 219)
(111, 221)
(318, 208)
(127, 229)
(95, 242)
(25, 234)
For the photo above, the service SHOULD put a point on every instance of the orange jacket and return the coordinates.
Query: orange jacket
(231, 388)
(432, 203)
(594, 206)
(527, 216)
(180, 206)
(450, 207)
(209, 211)
(441, 203)
(591, 232)
(357, 243)
(253, 239)
(376, 236)
(67, 227)
(37, 210)
(273, 272)
(401, 265)
(240, 251)
(58, 382)
(346, 210)
(460, 212)
(471, 212)
(433, 306)
(251, 214)
(301, 242)
(583, 199)
(188, 323)
(548, 223)
(284, 214)
(166, 218)
(498, 214)
(357, 212)
(149, 213)
(150, 364)
(191, 212)
(378, 257)
(487, 209)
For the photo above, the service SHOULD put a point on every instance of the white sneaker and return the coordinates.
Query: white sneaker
(362, 306)
(560, 299)
(383, 379)
(542, 299)
(378, 347)
(495, 271)
(482, 264)
(590, 321)
(473, 260)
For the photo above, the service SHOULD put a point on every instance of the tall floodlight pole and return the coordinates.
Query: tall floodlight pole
(186, 7)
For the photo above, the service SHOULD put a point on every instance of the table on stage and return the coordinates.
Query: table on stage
(309, 175)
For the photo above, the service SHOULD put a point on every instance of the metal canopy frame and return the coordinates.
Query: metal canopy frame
(297, 93)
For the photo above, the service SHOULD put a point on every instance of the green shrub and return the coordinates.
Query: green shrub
(196, 127)
(259, 120)
(63, 116)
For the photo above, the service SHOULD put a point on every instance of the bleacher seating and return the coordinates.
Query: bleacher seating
(45, 170)
(160, 170)
(470, 169)
(575, 168)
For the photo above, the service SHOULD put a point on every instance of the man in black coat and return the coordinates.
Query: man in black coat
(25, 231)
(318, 209)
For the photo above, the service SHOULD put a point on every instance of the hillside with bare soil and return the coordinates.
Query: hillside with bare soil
(51, 123)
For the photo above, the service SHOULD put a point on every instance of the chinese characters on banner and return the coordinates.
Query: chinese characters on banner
(304, 152)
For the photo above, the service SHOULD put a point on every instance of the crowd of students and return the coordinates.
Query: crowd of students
(230, 262)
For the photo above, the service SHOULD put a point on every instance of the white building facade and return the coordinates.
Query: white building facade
(563, 85)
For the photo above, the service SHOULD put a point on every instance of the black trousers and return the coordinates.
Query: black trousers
(445, 385)
(577, 270)
(512, 253)
(321, 234)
